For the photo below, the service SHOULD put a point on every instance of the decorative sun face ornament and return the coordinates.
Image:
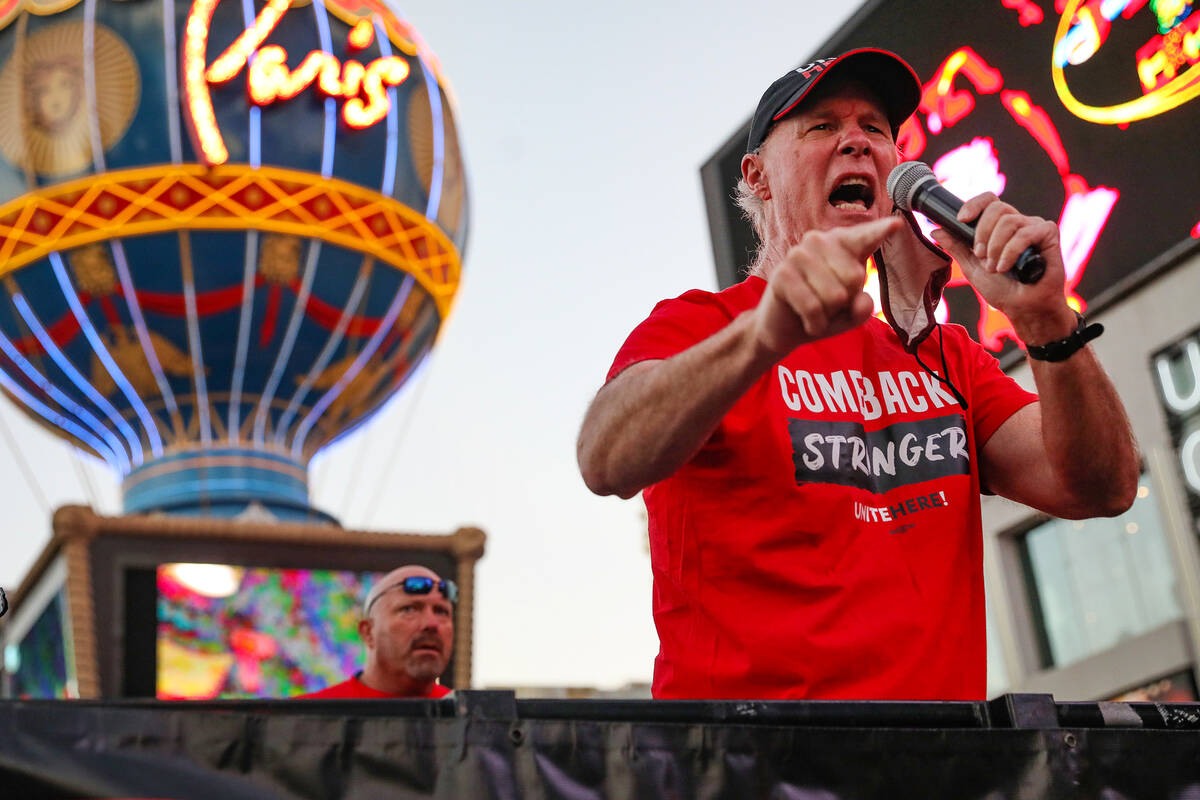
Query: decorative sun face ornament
(51, 133)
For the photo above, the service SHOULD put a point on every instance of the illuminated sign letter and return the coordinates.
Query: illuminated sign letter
(362, 87)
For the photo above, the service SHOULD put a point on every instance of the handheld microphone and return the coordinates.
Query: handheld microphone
(3, 603)
(913, 187)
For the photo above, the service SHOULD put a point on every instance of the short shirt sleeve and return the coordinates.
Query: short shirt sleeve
(994, 395)
(677, 324)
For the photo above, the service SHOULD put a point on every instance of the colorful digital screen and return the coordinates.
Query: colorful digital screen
(39, 662)
(249, 632)
(1080, 112)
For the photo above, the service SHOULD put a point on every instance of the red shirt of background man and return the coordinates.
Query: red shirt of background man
(354, 689)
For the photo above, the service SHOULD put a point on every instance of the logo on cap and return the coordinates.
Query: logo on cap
(816, 67)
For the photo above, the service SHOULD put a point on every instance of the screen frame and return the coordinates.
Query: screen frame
(124, 570)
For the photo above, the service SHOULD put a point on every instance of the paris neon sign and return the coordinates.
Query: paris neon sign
(363, 88)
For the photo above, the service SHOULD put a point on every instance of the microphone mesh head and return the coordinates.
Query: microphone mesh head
(904, 180)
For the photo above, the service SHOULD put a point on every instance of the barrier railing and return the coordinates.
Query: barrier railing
(490, 744)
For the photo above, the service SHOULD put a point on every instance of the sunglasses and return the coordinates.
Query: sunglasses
(416, 584)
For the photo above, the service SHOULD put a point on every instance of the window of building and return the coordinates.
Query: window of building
(1096, 582)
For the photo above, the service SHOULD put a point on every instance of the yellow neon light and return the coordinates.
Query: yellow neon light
(9, 9)
(952, 66)
(269, 79)
(230, 63)
(201, 118)
(363, 88)
(1175, 93)
(361, 35)
(168, 197)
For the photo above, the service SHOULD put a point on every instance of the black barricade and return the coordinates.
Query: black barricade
(489, 745)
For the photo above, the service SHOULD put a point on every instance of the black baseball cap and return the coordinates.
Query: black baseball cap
(885, 72)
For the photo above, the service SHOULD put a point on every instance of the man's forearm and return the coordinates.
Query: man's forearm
(647, 423)
(1087, 434)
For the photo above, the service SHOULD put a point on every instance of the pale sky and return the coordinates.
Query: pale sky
(584, 127)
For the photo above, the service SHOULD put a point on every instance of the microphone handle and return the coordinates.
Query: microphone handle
(941, 206)
(1030, 266)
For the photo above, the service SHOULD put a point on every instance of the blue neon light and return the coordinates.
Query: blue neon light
(439, 142)
(243, 338)
(89, 83)
(1109, 9)
(439, 136)
(101, 351)
(1079, 34)
(289, 341)
(81, 383)
(139, 326)
(193, 329)
(172, 81)
(53, 417)
(255, 112)
(327, 148)
(359, 362)
(393, 119)
(116, 452)
(323, 359)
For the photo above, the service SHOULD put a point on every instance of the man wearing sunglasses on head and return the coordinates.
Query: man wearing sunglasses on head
(408, 628)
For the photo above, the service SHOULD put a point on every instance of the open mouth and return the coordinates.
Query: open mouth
(852, 194)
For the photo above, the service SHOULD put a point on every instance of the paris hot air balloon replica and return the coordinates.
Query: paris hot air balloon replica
(229, 231)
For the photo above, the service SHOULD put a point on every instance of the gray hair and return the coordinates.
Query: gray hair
(755, 212)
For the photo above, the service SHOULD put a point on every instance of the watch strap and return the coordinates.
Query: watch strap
(1064, 348)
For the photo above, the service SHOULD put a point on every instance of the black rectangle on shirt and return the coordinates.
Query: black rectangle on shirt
(904, 453)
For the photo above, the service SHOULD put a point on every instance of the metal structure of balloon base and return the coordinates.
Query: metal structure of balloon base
(180, 607)
(222, 482)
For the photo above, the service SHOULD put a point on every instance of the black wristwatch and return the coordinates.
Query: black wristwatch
(1064, 348)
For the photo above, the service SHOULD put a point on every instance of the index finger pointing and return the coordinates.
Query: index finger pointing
(865, 238)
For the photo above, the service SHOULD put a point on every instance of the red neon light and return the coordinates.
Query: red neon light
(269, 79)
(941, 100)
(911, 139)
(1160, 59)
(1131, 7)
(1027, 13)
(1083, 217)
(1034, 119)
(975, 167)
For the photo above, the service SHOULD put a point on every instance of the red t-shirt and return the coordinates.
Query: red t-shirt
(826, 541)
(353, 688)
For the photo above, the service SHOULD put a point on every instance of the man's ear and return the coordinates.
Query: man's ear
(755, 177)
(365, 632)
